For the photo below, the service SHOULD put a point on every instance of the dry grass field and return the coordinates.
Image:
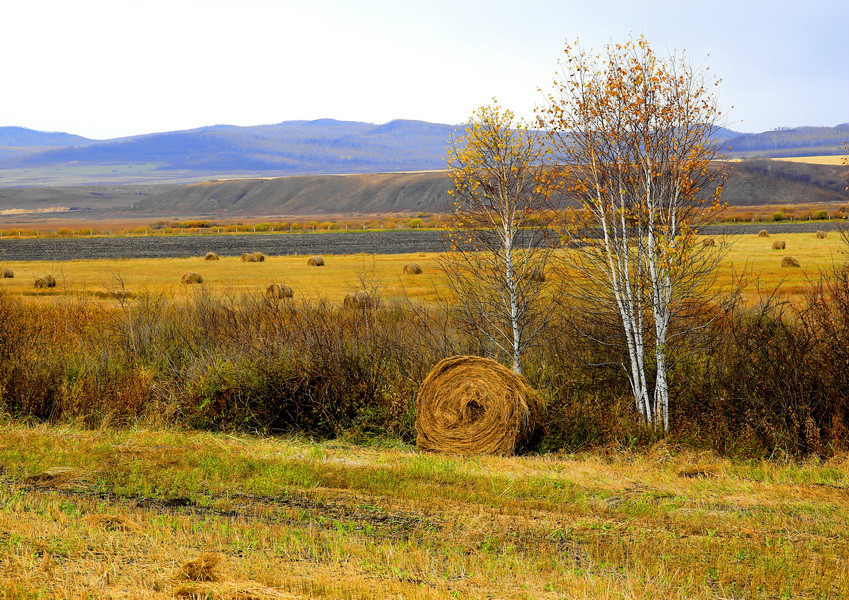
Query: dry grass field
(831, 159)
(343, 274)
(175, 514)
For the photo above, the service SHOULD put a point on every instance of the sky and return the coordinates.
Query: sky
(111, 68)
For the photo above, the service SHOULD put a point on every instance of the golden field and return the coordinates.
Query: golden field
(347, 273)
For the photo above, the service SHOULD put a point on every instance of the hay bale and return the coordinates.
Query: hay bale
(211, 256)
(822, 234)
(278, 291)
(45, 281)
(709, 242)
(316, 261)
(412, 269)
(192, 277)
(763, 233)
(778, 245)
(361, 300)
(259, 256)
(8, 273)
(789, 261)
(203, 568)
(474, 405)
(248, 257)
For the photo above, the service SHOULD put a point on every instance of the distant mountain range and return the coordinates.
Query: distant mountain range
(324, 146)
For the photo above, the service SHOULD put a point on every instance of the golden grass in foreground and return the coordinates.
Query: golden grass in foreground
(283, 518)
(343, 274)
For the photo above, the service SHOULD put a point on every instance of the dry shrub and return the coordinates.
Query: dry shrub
(211, 256)
(114, 294)
(778, 245)
(821, 234)
(359, 300)
(45, 281)
(698, 472)
(8, 273)
(316, 261)
(111, 522)
(259, 256)
(278, 291)
(709, 242)
(789, 261)
(474, 405)
(249, 257)
(204, 568)
(192, 277)
(412, 269)
(763, 233)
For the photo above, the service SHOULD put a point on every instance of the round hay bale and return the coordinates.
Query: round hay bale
(259, 256)
(474, 405)
(412, 269)
(359, 300)
(8, 273)
(778, 245)
(822, 234)
(211, 256)
(248, 257)
(192, 277)
(45, 281)
(316, 261)
(789, 261)
(709, 242)
(763, 233)
(278, 291)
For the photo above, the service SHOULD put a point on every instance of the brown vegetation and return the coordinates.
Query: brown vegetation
(709, 242)
(821, 235)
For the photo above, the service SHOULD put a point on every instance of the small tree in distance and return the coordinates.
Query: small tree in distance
(633, 135)
(500, 243)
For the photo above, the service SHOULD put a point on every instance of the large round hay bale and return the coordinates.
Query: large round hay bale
(359, 300)
(789, 261)
(778, 245)
(259, 256)
(474, 405)
(709, 242)
(763, 233)
(8, 273)
(316, 261)
(821, 235)
(412, 269)
(211, 256)
(248, 257)
(45, 281)
(278, 291)
(192, 277)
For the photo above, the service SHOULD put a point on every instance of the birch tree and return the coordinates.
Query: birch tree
(633, 133)
(500, 242)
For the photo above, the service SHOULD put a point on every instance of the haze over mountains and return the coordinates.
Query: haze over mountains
(325, 146)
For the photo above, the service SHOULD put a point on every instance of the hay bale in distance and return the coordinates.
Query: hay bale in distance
(474, 405)
(709, 242)
(778, 245)
(361, 300)
(191, 277)
(789, 261)
(248, 257)
(45, 281)
(211, 256)
(822, 234)
(259, 256)
(412, 269)
(8, 273)
(278, 291)
(316, 261)
(763, 233)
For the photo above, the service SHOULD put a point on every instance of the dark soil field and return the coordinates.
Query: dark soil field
(366, 242)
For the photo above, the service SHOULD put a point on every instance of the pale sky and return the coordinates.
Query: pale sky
(111, 68)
